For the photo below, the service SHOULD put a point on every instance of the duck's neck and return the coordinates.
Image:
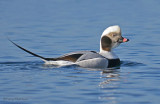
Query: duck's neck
(108, 54)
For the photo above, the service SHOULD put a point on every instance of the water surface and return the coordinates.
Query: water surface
(51, 28)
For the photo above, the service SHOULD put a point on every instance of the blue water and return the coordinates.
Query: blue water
(54, 27)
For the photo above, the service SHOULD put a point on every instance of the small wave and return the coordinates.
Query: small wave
(25, 62)
(13, 62)
(14, 66)
(130, 63)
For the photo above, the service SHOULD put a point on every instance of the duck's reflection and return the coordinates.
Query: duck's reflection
(109, 76)
(110, 83)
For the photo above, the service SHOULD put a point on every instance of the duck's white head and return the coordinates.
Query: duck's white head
(111, 38)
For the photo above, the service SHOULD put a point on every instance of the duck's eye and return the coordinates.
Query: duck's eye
(114, 35)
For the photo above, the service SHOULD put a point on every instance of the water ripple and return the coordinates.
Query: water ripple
(131, 64)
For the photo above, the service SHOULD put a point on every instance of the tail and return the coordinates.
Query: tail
(47, 59)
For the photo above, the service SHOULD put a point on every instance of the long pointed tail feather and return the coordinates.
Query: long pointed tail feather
(72, 57)
(48, 59)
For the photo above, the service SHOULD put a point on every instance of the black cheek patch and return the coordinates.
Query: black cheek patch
(106, 43)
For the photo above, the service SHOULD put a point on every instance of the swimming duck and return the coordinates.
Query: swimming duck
(106, 58)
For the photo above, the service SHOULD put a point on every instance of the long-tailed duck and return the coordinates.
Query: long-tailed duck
(111, 38)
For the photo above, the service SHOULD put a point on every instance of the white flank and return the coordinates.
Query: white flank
(59, 63)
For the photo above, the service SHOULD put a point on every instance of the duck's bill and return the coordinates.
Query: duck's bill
(122, 40)
(125, 40)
